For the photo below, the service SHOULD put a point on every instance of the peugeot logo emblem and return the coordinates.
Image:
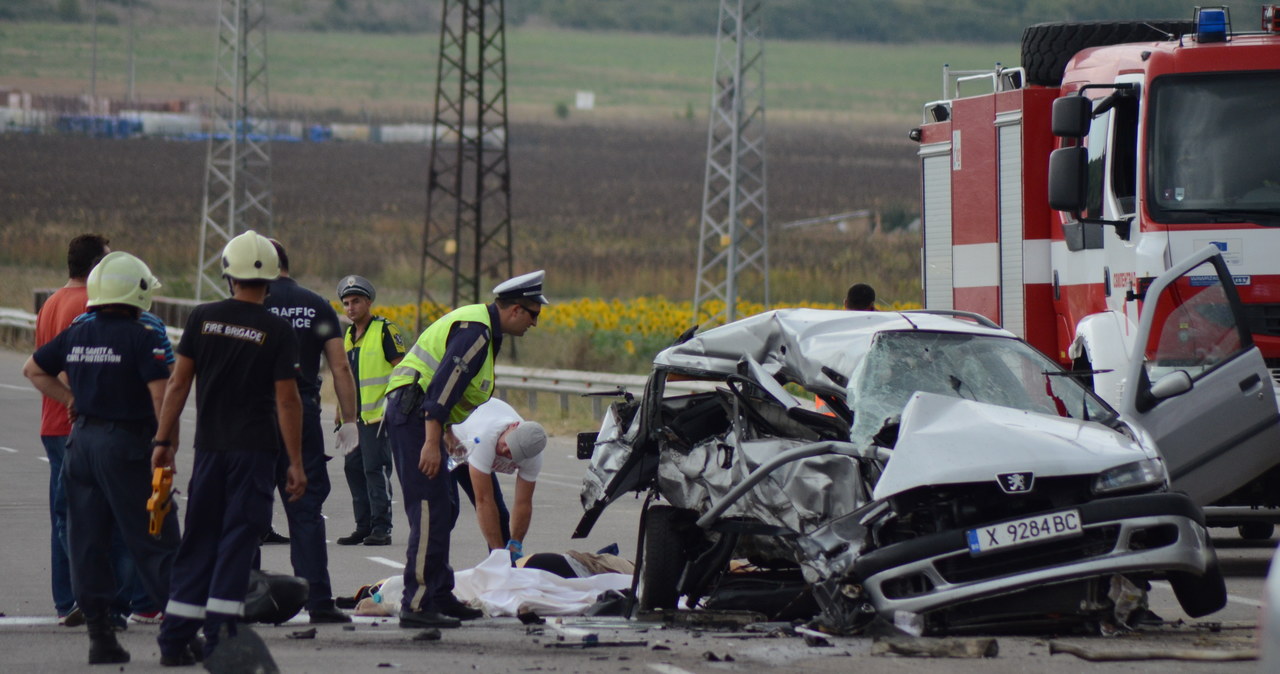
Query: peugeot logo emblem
(1016, 483)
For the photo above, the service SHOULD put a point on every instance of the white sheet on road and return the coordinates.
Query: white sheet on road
(502, 590)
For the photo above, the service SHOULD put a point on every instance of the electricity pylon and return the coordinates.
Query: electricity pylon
(237, 184)
(467, 234)
(733, 252)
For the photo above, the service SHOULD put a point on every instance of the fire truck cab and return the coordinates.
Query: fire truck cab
(1055, 193)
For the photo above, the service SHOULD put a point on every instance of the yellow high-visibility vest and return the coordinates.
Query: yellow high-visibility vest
(375, 371)
(423, 359)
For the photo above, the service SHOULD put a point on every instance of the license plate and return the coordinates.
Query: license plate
(1024, 531)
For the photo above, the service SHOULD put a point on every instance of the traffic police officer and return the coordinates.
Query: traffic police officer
(117, 371)
(447, 373)
(373, 346)
(244, 362)
(316, 325)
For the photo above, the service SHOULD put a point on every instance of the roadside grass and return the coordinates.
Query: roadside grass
(393, 76)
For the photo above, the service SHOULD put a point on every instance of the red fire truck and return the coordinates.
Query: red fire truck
(1054, 192)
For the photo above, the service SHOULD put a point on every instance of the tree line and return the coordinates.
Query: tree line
(838, 20)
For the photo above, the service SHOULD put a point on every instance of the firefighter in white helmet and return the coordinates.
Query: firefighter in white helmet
(244, 361)
(116, 373)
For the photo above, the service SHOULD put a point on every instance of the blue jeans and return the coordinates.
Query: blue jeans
(64, 599)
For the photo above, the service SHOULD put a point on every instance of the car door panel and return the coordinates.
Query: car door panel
(1225, 431)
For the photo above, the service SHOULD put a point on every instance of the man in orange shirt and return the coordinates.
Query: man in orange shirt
(55, 315)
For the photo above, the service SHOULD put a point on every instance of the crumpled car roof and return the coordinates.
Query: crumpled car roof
(798, 343)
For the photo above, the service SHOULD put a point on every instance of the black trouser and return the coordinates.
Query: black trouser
(307, 548)
(228, 511)
(428, 578)
(462, 478)
(368, 469)
(107, 473)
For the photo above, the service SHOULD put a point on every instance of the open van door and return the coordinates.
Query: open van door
(1199, 385)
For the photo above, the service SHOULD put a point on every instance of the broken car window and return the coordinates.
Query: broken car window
(996, 370)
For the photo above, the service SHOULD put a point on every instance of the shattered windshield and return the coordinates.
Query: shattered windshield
(1210, 160)
(997, 370)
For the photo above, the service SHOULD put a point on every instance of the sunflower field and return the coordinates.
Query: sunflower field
(614, 335)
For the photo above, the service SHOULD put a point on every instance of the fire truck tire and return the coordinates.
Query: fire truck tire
(1046, 47)
(1200, 595)
(665, 553)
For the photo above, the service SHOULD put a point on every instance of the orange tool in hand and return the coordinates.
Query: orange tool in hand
(161, 499)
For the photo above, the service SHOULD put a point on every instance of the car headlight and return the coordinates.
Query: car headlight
(1137, 475)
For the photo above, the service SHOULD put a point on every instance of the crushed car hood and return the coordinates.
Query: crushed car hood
(798, 343)
(946, 440)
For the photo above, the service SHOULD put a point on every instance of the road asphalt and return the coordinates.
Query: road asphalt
(31, 641)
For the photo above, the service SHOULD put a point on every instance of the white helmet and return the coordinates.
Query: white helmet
(250, 257)
(120, 278)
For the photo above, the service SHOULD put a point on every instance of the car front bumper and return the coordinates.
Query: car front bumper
(1150, 533)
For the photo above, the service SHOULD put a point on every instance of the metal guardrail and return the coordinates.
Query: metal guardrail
(563, 384)
(566, 384)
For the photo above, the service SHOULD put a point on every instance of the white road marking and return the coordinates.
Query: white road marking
(663, 668)
(1231, 597)
(30, 621)
(559, 483)
(389, 562)
(17, 621)
(10, 450)
(44, 459)
(19, 388)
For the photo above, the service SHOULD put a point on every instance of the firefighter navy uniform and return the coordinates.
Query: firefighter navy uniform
(240, 350)
(315, 322)
(109, 362)
(115, 374)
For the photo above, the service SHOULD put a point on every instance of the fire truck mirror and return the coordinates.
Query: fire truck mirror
(1072, 116)
(1068, 178)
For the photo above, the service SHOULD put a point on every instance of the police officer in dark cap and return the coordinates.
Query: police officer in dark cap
(447, 373)
(374, 347)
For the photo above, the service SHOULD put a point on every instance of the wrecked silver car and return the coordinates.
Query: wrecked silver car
(959, 480)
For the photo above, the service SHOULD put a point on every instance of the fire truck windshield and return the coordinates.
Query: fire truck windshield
(1211, 148)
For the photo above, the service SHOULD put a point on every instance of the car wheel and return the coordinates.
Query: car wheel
(1256, 531)
(1200, 595)
(665, 554)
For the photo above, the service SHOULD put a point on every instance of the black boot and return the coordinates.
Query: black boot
(103, 647)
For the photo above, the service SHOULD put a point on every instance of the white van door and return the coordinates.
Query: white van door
(1199, 385)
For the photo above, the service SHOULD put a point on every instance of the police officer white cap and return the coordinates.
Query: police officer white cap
(356, 285)
(527, 286)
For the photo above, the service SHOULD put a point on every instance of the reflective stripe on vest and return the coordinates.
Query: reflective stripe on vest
(375, 371)
(423, 359)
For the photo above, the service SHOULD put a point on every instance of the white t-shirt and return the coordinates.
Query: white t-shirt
(478, 435)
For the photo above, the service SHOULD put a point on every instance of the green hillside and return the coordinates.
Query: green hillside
(845, 20)
(391, 77)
